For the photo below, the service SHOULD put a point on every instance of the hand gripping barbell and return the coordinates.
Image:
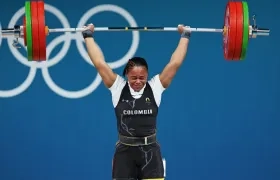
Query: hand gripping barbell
(236, 30)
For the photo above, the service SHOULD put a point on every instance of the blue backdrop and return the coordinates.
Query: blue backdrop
(218, 120)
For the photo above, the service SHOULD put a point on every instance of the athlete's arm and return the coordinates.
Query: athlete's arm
(177, 58)
(97, 58)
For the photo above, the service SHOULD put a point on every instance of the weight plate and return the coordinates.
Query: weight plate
(35, 31)
(239, 31)
(246, 24)
(229, 31)
(42, 30)
(24, 30)
(28, 30)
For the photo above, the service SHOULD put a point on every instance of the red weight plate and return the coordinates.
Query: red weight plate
(239, 31)
(35, 31)
(229, 31)
(24, 31)
(42, 30)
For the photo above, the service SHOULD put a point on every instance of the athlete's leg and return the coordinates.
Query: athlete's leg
(151, 163)
(124, 167)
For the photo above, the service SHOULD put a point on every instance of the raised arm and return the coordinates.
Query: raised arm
(97, 58)
(177, 58)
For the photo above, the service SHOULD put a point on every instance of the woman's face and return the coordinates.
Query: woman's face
(137, 77)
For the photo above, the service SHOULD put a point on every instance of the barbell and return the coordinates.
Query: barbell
(236, 30)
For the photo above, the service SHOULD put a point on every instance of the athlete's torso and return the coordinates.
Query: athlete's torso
(136, 117)
(136, 112)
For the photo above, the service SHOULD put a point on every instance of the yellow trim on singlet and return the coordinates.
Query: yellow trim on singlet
(154, 179)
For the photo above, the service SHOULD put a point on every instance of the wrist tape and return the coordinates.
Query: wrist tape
(87, 33)
(186, 34)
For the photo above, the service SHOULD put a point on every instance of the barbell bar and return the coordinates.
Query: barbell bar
(236, 30)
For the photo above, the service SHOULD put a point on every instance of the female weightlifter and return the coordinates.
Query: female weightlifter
(136, 102)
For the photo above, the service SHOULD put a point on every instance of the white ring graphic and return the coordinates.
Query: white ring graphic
(21, 88)
(135, 34)
(62, 92)
(66, 38)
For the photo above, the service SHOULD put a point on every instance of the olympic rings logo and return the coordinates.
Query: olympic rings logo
(66, 38)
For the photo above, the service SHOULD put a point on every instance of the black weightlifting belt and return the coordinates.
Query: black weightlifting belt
(137, 141)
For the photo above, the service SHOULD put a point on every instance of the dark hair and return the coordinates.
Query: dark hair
(135, 61)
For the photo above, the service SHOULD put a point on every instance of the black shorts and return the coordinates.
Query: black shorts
(137, 162)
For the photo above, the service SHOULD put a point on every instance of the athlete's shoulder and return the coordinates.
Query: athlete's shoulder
(118, 84)
(116, 89)
(156, 84)
(157, 88)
